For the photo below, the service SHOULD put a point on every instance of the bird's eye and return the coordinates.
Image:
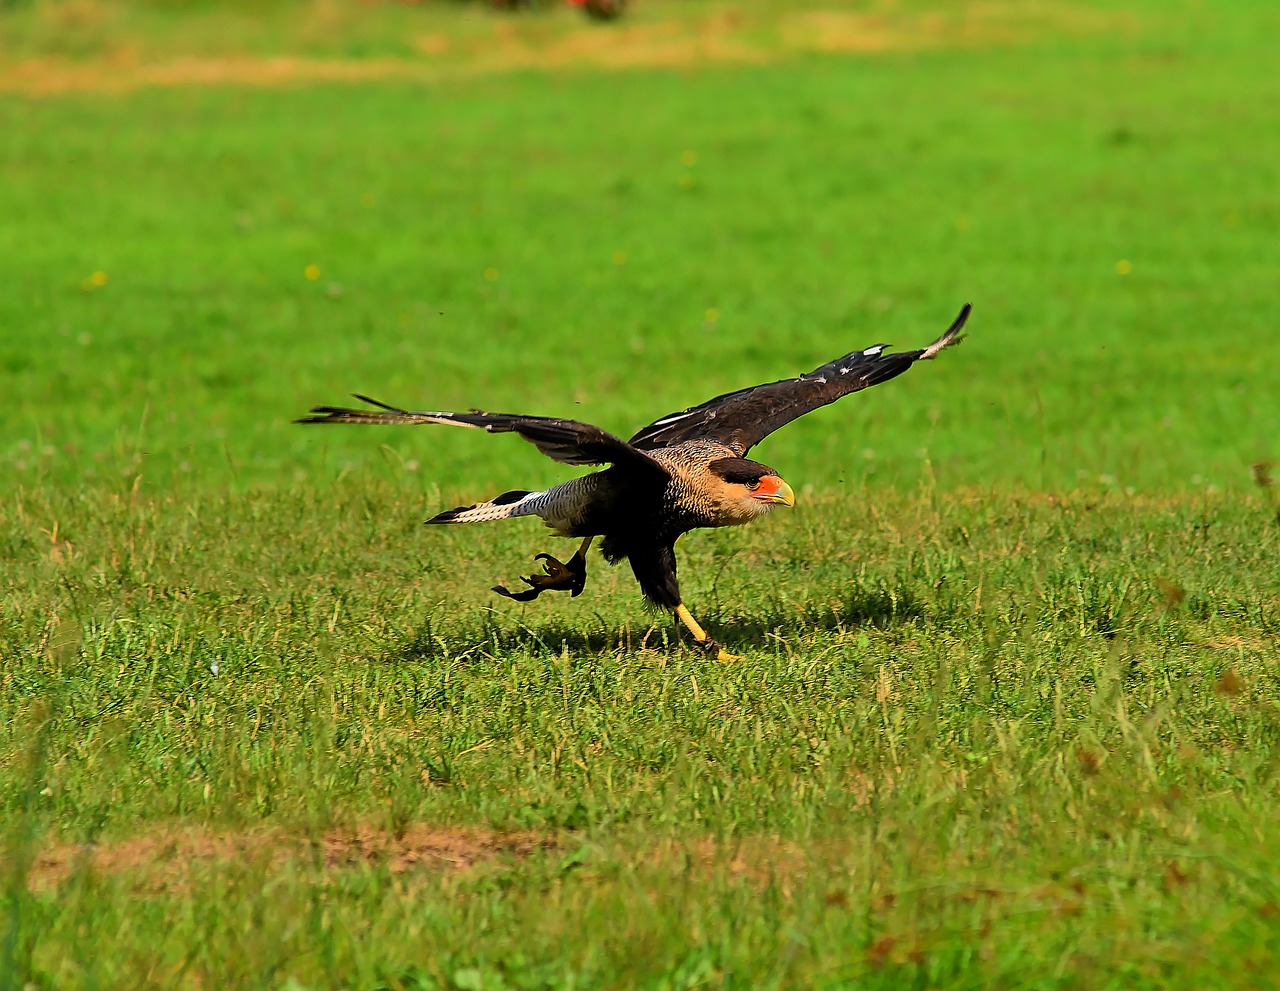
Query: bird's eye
(752, 486)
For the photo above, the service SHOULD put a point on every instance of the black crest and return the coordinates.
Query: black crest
(740, 470)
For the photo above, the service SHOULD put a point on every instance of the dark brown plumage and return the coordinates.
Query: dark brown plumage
(685, 471)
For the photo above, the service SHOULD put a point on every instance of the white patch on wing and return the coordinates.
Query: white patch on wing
(937, 346)
(448, 420)
(672, 419)
(874, 351)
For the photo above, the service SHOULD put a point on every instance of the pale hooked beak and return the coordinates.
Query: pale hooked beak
(774, 489)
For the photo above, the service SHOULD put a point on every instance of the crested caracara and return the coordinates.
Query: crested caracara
(684, 471)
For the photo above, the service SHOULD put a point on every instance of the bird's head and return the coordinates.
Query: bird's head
(750, 489)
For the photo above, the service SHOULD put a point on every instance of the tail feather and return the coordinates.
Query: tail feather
(514, 503)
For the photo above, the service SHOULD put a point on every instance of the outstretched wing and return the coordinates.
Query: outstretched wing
(567, 441)
(742, 419)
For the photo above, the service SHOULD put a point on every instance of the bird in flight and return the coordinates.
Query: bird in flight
(682, 472)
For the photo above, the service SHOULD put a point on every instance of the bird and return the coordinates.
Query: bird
(684, 471)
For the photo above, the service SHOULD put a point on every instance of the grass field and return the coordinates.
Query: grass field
(1007, 714)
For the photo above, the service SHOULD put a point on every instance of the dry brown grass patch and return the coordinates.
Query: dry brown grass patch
(726, 36)
(165, 858)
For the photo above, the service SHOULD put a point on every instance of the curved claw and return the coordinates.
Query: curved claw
(714, 650)
(527, 595)
(552, 566)
(559, 576)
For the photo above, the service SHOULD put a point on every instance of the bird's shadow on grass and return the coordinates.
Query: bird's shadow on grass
(880, 606)
(498, 635)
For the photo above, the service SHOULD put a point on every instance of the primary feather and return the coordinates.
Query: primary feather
(744, 418)
(567, 441)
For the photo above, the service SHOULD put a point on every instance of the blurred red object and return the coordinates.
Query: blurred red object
(601, 10)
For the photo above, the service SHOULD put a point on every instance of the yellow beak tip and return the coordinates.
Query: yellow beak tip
(781, 495)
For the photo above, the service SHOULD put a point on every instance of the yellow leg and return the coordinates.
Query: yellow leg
(687, 619)
(700, 635)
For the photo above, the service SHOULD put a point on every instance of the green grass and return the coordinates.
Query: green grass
(1007, 712)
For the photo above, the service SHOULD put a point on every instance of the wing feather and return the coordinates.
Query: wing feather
(742, 419)
(570, 442)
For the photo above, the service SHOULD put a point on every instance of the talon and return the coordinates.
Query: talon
(713, 649)
(554, 568)
(560, 576)
(527, 595)
(577, 568)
